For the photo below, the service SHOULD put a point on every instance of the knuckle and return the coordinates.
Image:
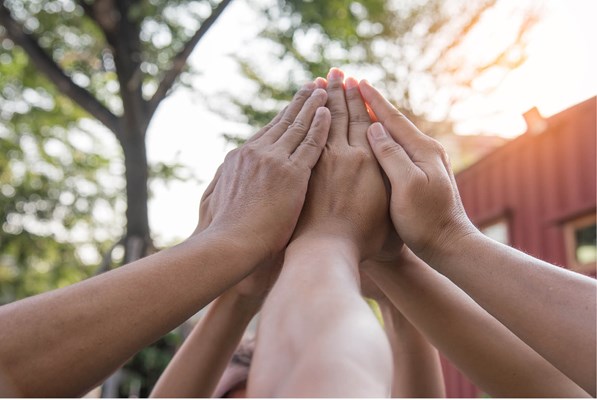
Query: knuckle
(310, 141)
(362, 155)
(439, 149)
(359, 118)
(298, 126)
(302, 95)
(338, 111)
(389, 149)
(286, 120)
(268, 159)
(250, 150)
(232, 154)
(396, 117)
(353, 94)
(335, 85)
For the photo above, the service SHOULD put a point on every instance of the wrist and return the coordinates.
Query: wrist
(319, 244)
(231, 244)
(449, 241)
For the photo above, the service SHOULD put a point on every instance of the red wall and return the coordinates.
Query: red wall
(537, 182)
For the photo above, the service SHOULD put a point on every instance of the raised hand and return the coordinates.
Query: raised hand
(425, 205)
(347, 198)
(427, 213)
(260, 188)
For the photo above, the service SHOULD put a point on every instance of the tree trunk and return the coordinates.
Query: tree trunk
(137, 238)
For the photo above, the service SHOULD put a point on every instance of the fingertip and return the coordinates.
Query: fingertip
(351, 83)
(323, 114)
(335, 74)
(377, 132)
(321, 83)
(364, 83)
(309, 86)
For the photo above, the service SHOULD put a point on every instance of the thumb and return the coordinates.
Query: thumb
(390, 155)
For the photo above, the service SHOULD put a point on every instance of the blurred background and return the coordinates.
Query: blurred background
(114, 116)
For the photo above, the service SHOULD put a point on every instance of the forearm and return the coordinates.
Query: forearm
(63, 342)
(488, 353)
(199, 364)
(553, 310)
(417, 367)
(316, 330)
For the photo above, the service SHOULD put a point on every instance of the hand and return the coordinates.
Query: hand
(254, 287)
(425, 205)
(347, 198)
(260, 188)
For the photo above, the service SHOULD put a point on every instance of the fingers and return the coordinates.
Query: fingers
(292, 110)
(321, 83)
(308, 152)
(337, 106)
(401, 129)
(296, 132)
(391, 156)
(358, 117)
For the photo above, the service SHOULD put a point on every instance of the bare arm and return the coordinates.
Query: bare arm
(317, 336)
(417, 366)
(63, 342)
(198, 365)
(553, 310)
(480, 346)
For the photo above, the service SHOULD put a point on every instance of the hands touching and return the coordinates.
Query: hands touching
(260, 188)
(425, 205)
(347, 199)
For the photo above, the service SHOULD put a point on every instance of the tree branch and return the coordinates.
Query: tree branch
(56, 75)
(88, 9)
(179, 62)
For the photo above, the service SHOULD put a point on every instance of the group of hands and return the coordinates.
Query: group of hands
(339, 163)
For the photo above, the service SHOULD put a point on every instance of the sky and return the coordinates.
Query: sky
(559, 73)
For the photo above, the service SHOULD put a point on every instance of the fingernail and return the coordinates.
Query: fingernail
(350, 83)
(321, 83)
(309, 85)
(335, 74)
(377, 131)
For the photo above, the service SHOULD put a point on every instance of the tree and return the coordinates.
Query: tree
(87, 76)
(117, 61)
(426, 55)
(66, 66)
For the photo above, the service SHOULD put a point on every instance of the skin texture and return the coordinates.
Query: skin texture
(417, 367)
(64, 342)
(489, 354)
(199, 364)
(315, 315)
(551, 309)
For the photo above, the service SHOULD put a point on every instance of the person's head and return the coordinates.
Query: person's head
(234, 380)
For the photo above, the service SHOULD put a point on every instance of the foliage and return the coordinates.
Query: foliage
(66, 65)
(143, 371)
(426, 55)
(52, 176)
